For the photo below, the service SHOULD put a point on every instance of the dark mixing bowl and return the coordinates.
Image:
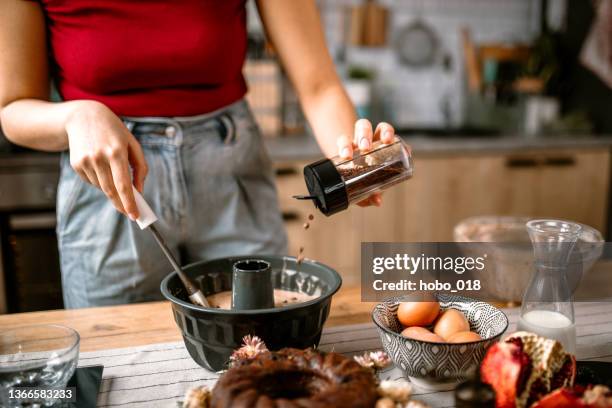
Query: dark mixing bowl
(211, 335)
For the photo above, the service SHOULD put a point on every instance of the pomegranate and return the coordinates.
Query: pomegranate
(524, 367)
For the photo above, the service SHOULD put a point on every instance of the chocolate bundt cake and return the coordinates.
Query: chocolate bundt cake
(296, 378)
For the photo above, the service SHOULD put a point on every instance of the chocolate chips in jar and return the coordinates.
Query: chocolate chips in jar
(334, 184)
(362, 181)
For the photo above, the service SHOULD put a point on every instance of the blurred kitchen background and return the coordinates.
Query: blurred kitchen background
(507, 105)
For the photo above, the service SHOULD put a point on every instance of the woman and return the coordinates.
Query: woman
(154, 90)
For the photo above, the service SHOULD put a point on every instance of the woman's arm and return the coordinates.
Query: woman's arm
(294, 28)
(101, 148)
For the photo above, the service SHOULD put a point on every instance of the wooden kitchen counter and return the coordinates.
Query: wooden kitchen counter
(148, 323)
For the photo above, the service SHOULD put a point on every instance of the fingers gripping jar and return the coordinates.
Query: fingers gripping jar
(336, 183)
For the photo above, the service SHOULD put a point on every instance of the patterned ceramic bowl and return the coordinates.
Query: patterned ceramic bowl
(439, 366)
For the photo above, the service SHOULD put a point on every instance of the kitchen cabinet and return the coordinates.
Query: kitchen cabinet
(553, 183)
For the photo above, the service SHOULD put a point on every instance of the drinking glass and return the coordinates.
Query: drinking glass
(41, 356)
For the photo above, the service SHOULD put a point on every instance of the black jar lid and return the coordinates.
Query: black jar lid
(326, 187)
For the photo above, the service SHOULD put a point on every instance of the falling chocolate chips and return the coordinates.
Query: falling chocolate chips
(306, 226)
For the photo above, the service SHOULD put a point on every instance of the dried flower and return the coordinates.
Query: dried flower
(398, 391)
(376, 360)
(251, 347)
(364, 360)
(197, 397)
(381, 359)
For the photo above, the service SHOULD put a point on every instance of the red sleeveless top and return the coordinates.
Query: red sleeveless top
(148, 58)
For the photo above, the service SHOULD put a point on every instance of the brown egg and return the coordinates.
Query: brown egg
(464, 337)
(417, 313)
(421, 333)
(450, 322)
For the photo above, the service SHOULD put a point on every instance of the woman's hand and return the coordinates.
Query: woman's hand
(102, 150)
(363, 137)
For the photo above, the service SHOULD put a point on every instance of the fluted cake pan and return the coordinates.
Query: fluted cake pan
(211, 334)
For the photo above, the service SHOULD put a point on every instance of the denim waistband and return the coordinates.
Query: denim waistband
(221, 120)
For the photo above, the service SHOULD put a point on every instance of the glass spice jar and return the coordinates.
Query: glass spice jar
(336, 183)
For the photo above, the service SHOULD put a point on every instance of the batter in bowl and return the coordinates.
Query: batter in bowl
(223, 300)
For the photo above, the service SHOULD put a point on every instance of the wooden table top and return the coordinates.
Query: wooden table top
(148, 323)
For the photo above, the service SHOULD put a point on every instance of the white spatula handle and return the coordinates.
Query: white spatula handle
(146, 215)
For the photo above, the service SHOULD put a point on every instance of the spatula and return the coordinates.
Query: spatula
(146, 220)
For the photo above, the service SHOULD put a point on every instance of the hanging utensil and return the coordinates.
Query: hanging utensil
(145, 220)
(417, 44)
(472, 64)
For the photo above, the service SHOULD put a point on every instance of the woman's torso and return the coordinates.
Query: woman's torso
(149, 58)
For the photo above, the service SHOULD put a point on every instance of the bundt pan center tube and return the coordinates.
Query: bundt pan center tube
(212, 334)
(252, 285)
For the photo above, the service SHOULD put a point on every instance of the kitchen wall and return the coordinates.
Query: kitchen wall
(418, 97)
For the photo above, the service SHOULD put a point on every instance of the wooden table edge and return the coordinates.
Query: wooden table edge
(140, 324)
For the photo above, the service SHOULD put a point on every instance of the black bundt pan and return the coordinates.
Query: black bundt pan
(211, 335)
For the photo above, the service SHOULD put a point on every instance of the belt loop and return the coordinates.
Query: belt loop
(174, 131)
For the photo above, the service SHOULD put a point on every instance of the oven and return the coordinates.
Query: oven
(29, 262)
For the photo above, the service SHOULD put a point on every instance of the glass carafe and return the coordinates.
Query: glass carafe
(547, 307)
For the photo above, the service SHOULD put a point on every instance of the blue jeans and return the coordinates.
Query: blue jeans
(211, 184)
